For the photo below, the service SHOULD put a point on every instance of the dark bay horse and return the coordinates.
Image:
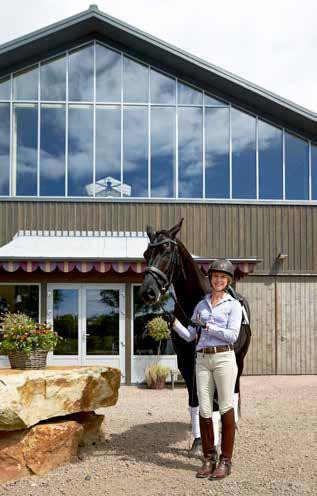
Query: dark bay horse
(169, 262)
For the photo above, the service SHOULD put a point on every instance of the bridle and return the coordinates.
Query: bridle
(164, 280)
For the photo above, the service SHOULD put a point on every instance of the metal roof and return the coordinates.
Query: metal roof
(94, 23)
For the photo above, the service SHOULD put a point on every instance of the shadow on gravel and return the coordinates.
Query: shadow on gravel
(150, 443)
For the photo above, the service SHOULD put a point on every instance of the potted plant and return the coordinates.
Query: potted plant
(157, 373)
(26, 342)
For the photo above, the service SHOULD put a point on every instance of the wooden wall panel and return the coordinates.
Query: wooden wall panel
(215, 230)
(260, 294)
(297, 325)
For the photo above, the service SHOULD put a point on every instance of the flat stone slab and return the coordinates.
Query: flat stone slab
(29, 396)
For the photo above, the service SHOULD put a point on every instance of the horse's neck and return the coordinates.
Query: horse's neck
(189, 283)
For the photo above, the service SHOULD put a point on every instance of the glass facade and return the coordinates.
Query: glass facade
(20, 298)
(94, 122)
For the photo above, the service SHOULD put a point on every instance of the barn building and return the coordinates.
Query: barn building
(105, 129)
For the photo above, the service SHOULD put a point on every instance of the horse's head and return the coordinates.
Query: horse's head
(162, 259)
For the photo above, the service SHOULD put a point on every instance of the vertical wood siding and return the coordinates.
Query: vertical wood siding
(260, 294)
(260, 231)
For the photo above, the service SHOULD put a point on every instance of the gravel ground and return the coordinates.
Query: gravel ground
(145, 448)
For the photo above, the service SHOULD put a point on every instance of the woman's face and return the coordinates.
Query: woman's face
(219, 281)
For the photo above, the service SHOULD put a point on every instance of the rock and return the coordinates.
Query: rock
(38, 449)
(29, 396)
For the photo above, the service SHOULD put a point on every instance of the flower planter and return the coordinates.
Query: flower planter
(34, 360)
(158, 384)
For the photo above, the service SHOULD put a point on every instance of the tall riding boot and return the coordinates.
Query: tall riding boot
(228, 430)
(209, 451)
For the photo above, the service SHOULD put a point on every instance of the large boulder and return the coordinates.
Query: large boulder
(29, 396)
(38, 449)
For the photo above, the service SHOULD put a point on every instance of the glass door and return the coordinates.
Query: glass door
(91, 321)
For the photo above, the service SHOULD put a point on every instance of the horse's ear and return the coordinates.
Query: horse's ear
(174, 230)
(150, 233)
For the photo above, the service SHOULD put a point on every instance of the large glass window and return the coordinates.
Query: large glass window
(52, 157)
(20, 298)
(190, 152)
(80, 150)
(163, 88)
(108, 152)
(25, 120)
(142, 343)
(108, 75)
(169, 139)
(163, 180)
(243, 155)
(53, 80)
(296, 168)
(25, 85)
(135, 81)
(5, 89)
(65, 320)
(81, 75)
(314, 171)
(135, 151)
(270, 161)
(217, 178)
(4, 148)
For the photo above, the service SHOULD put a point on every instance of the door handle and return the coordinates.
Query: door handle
(87, 334)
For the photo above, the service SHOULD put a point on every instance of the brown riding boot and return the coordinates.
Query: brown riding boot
(228, 430)
(207, 441)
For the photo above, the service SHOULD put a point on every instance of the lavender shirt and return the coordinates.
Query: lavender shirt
(223, 322)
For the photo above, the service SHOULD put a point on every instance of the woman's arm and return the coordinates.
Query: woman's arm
(188, 334)
(231, 332)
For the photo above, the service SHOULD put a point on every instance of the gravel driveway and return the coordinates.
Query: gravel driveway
(145, 450)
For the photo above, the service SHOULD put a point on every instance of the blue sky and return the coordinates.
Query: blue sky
(272, 43)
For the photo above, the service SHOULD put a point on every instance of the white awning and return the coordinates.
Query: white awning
(75, 245)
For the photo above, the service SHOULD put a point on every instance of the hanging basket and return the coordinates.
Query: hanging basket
(34, 360)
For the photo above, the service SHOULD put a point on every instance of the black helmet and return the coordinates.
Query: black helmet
(221, 265)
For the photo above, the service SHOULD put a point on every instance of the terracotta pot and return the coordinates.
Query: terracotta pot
(159, 384)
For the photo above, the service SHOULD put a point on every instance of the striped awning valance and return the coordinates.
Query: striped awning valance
(241, 268)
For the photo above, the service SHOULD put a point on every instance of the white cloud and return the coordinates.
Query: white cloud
(272, 44)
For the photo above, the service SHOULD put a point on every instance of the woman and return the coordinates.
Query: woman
(218, 318)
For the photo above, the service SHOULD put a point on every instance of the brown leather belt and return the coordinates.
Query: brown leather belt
(211, 350)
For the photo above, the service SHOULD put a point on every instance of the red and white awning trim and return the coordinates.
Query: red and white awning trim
(242, 268)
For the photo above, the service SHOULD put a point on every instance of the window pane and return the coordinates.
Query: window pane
(142, 343)
(53, 80)
(243, 155)
(163, 152)
(25, 85)
(81, 75)
(80, 150)
(4, 148)
(102, 314)
(210, 100)
(65, 320)
(25, 145)
(163, 88)
(20, 298)
(270, 161)
(217, 153)
(188, 95)
(135, 151)
(108, 75)
(108, 152)
(52, 154)
(5, 89)
(296, 168)
(135, 82)
(190, 152)
(314, 171)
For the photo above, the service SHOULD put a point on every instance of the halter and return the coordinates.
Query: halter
(157, 274)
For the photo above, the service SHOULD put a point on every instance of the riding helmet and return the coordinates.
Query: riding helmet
(221, 265)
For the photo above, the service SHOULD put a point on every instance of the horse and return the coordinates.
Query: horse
(170, 263)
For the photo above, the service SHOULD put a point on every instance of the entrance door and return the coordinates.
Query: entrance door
(90, 319)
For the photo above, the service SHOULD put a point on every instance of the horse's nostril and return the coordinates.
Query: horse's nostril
(151, 294)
